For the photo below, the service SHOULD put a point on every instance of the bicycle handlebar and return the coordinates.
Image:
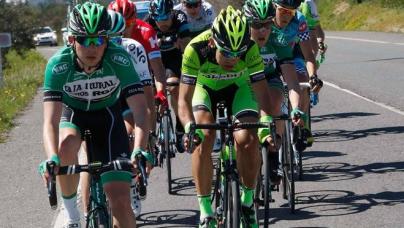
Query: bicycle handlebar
(92, 168)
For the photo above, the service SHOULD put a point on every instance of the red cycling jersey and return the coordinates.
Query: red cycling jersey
(146, 35)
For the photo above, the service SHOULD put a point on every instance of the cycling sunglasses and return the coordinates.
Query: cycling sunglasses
(164, 17)
(285, 11)
(230, 54)
(258, 25)
(86, 41)
(192, 5)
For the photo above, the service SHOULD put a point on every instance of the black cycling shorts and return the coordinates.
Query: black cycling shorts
(109, 139)
(172, 60)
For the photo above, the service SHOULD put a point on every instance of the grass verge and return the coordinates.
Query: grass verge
(370, 15)
(21, 79)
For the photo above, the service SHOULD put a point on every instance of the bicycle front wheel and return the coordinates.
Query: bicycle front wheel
(288, 166)
(167, 149)
(266, 184)
(234, 208)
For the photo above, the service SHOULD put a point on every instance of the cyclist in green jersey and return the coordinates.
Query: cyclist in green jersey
(223, 63)
(82, 86)
(260, 15)
(310, 12)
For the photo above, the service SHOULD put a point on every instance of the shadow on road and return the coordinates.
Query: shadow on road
(321, 154)
(339, 135)
(342, 115)
(169, 218)
(333, 203)
(386, 59)
(183, 186)
(334, 171)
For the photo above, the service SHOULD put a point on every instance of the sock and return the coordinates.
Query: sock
(205, 206)
(247, 196)
(70, 204)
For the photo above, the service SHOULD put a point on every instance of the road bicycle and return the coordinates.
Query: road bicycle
(226, 192)
(99, 214)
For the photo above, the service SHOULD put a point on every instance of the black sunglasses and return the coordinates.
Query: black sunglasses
(192, 5)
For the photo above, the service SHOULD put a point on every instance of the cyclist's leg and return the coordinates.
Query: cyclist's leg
(245, 109)
(69, 145)
(202, 170)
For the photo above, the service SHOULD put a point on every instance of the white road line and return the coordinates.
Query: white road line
(363, 40)
(388, 107)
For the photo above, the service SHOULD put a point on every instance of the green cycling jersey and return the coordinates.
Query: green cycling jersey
(199, 65)
(66, 82)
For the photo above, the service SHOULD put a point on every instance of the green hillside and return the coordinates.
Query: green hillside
(369, 15)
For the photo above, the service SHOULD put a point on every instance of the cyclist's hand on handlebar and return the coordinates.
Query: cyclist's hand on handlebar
(322, 47)
(42, 168)
(161, 100)
(149, 158)
(196, 135)
(315, 83)
(297, 117)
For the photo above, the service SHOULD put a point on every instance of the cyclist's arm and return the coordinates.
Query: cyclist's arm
(137, 104)
(159, 73)
(52, 114)
(320, 34)
(190, 70)
(290, 76)
(260, 87)
(309, 57)
(305, 46)
(185, 103)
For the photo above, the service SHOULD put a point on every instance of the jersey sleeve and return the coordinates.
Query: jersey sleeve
(190, 66)
(139, 57)
(125, 70)
(303, 30)
(183, 26)
(56, 72)
(255, 64)
(150, 43)
(209, 13)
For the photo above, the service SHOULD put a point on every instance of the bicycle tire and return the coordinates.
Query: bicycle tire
(258, 194)
(266, 184)
(167, 138)
(288, 165)
(234, 203)
(97, 215)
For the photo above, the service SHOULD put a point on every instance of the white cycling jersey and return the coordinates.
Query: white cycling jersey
(203, 21)
(139, 57)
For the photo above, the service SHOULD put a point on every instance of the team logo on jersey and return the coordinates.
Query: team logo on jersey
(153, 42)
(120, 59)
(269, 60)
(94, 89)
(303, 27)
(226, 76)
(60, 68)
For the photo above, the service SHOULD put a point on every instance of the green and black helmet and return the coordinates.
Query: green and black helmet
(230, 30)
(89, 19)
(259, 10)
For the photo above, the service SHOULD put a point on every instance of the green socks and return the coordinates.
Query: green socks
(205, 206)
(247, 196)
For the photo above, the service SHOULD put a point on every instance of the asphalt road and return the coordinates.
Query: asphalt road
(353, 174)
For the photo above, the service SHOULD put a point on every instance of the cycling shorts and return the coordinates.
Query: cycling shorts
(274, 81)
(108, 134)
(300, 66)
(172, 60)
(241, 98)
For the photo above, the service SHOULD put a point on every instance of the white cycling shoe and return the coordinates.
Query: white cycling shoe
(135, 199)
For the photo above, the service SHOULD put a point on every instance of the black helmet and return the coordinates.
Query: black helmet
(292, 4)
